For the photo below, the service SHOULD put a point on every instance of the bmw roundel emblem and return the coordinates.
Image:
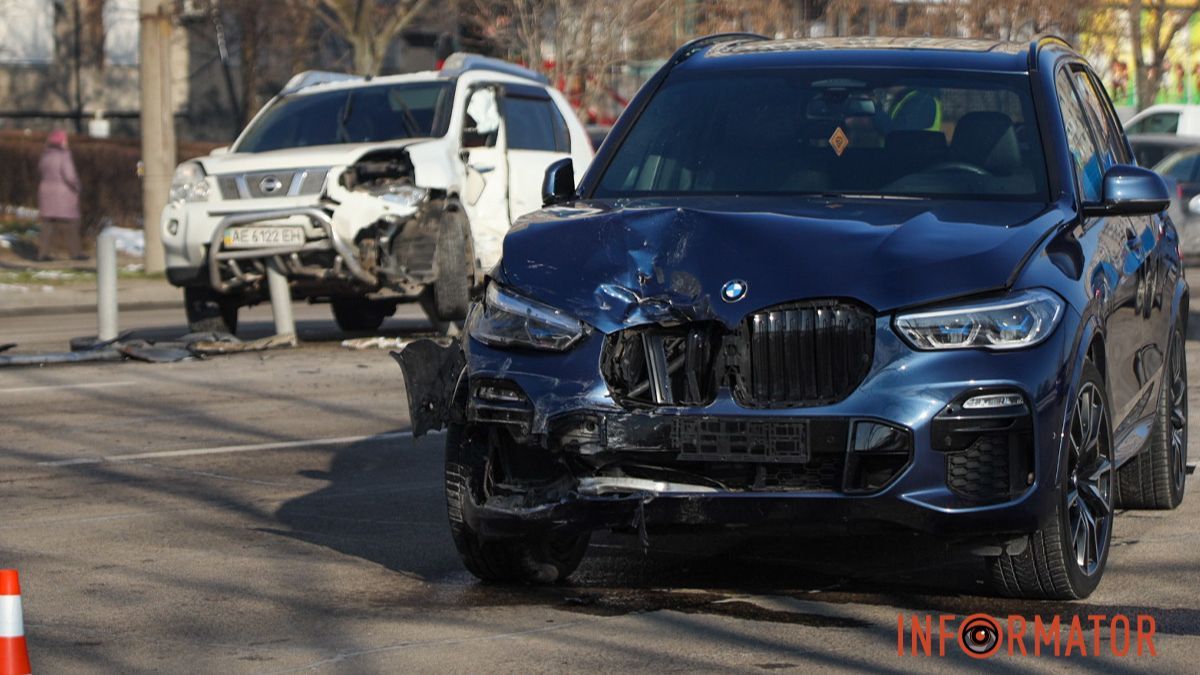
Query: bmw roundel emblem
(734, 290)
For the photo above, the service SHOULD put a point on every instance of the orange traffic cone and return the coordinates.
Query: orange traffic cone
(14, 657)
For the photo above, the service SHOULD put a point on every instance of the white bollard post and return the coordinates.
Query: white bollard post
(281, 299)
(106, 286)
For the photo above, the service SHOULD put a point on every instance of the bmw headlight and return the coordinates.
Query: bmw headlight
(1019, 320)
(509, 320)
(189, 183)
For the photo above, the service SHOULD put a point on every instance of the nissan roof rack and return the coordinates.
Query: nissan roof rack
(311, 78)
(461, 62)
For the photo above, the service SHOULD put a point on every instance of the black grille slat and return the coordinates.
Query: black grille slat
(762, 357)
(775, 329)
(794, 368)
(806, 353)
(808, 349)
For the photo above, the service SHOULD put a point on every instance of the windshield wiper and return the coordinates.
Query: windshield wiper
(343, 134)
(860, 195)
(410, 123)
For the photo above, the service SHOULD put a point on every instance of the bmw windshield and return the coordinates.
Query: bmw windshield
(846, 132)
(371, 114)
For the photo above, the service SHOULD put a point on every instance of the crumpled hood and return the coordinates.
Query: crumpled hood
(647, 262)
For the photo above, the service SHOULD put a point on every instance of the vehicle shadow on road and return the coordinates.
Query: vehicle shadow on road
(386, 504)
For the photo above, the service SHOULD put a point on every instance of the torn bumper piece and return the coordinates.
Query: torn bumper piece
(788, 475)
(759, 513)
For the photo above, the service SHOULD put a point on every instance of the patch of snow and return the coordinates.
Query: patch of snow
(54, 275)
(130, 242)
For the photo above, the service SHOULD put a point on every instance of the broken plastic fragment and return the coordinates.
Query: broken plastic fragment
(431, 374)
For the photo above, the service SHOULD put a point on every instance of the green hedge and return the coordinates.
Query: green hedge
(107, 170)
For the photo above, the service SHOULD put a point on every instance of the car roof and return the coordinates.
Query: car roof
(456, 66)
(1175, 140)
(911, 52)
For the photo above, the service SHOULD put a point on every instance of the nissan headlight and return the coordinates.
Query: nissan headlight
(1020, 320)
(189, 184)
(405, 196)
(507, 319)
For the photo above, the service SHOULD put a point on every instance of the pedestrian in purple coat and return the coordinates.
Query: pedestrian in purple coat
(58, 198)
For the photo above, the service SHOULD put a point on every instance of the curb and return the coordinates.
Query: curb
(54, 310)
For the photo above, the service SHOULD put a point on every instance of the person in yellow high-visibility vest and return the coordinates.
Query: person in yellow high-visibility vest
(917, 110)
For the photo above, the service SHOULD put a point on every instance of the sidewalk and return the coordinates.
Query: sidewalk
(36, 298)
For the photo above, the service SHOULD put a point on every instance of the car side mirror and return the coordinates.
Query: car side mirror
(217, 152)
(559, 184)
(1131, 191)
(1194, 206)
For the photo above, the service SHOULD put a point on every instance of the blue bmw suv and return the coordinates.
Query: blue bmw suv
(829, 286)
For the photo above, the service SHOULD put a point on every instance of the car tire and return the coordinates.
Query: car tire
(1155, 478)
(358, 315)
(209, 311)
(536, 559)
(1066, 557)
(454, 264)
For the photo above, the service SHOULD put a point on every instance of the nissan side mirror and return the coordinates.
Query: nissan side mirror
(559, 184)
(1131, 191)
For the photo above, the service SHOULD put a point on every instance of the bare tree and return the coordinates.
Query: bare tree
(579, 44)
(991, 19)
(1163, 21)
(369, 26)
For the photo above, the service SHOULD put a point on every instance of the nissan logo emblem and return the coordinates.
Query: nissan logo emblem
(270, 185)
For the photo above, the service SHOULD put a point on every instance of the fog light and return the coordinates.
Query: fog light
(173, 227)
(494, 392)
(993, 401)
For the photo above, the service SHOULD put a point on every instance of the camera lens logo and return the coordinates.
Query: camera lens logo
(979, 636)
(734, 290)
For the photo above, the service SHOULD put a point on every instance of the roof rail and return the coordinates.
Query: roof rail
(1038, 42)
(310, 78)
(699, 43)
(461, 62)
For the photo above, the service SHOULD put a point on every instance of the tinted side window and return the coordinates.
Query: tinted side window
(1098, 110)
(1158, 123)
(1079, 139)
(534, 124)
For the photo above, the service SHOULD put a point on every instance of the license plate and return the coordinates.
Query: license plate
(263, 237)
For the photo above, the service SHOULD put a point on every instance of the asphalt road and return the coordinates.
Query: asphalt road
(268, 513)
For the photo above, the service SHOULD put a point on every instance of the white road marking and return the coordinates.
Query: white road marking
(192, 452)
(51, 387)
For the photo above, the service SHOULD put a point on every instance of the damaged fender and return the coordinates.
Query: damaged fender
(432, 373)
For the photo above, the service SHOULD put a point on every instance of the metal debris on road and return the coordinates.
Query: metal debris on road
(378, 342)
(225, 347)
(191, 346)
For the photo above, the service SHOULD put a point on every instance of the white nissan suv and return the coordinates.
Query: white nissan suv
(368, 192)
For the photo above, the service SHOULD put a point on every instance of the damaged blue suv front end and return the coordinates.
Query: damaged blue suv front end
(850, 293)
(689, 395)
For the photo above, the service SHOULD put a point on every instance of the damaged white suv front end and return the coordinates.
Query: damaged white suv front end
(368, 193)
